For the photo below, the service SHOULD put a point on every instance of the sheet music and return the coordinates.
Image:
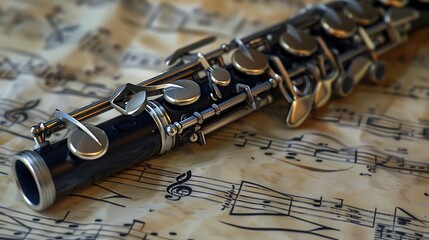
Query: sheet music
(357, 169)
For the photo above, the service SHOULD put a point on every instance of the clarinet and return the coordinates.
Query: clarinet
(325, 50)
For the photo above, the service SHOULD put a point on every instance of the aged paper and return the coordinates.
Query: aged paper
(357, 169)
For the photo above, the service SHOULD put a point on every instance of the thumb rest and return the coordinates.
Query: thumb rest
(325, 50)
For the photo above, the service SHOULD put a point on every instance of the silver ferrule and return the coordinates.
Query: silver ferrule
(162, 120)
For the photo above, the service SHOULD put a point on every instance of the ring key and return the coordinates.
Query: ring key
(130, 99)
(344, 84)
(216, 75)
(323, 88)
(301, 44)
(300, 102)
(373, 70)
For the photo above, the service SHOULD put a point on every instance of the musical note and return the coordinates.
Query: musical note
(403, 217)
(230, 197)
(177, 190)
(21, 225)
(336, 151)
(16, 228)
(166, 17)
(268, 146)
(54, 76)
(99, 44)
(378, 125)
(60, 34)
(136, 225)
(94, 3)
(63, 219)
(134, 59)
(340, 205)
(318, 202)
(372, 168)
(365, 174)
(16, 62)
(9, 69)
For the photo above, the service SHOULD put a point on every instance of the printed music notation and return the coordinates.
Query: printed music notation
(62, 55)
(176, 191)
(21, 225)
(15, 62)
(100, 44)
(61, 33)
(304, 148)
(167, 17)
(252, 199)
(378, 125)
(16, 115)
(244, 200)
(415, 91)
(5, 156)
(58, 79)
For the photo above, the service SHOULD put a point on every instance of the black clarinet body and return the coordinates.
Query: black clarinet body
(325, 50)
(66, 172)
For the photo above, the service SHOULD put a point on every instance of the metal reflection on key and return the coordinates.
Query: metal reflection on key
(84, 147)
(362, 13)
(297, 43)
(85, 142)
(188, 93)
(255, 66)
(337, 24)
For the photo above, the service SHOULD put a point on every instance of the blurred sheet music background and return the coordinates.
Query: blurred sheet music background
(357, 169)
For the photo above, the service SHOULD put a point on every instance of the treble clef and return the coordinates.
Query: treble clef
(176, 190)
(18, 115)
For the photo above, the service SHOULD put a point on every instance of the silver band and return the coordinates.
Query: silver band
(34, 180)
(162, 120)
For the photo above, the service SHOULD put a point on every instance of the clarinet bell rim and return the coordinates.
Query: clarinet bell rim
(34, 180)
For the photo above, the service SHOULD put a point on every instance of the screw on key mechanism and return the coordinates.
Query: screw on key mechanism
(130, 99)
(216, 75)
